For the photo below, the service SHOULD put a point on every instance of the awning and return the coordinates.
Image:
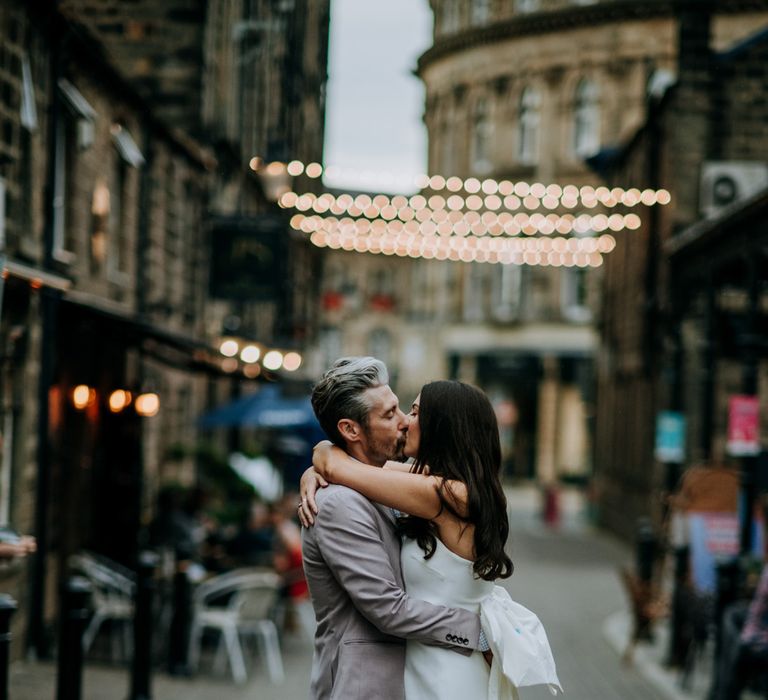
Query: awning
(172, 348)
(34, 276)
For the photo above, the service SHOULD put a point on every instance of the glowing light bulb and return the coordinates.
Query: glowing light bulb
(229, 348)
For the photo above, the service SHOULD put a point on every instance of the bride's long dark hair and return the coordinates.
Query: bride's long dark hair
(460, 441)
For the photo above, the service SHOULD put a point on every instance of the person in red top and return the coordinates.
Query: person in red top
(287, 559)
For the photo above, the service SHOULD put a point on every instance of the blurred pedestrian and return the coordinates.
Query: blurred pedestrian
(173, 527)
(744, 648)
(287, 557)
(253, 543)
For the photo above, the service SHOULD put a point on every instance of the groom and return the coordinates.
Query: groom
(352, 554)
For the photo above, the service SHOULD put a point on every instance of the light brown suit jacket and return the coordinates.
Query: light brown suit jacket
(352, 564)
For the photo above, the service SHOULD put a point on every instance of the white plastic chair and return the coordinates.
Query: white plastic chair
(112, 598)
(247, 597)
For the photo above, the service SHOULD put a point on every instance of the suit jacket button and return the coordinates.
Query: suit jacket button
(448, 637)
(465, 641)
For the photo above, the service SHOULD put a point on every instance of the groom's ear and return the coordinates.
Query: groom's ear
(349, 429)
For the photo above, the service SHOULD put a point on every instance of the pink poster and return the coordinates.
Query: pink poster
(743, 438)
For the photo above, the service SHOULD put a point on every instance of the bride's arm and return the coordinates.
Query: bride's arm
(402, 466)
(414, 494)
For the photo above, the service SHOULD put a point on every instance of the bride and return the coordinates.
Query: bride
(453, 518)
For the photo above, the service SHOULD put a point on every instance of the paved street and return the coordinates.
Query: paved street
(568, 577)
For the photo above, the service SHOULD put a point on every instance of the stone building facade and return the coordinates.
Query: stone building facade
(682, 315)
(536, 92)
(112, 190)
(522, 91)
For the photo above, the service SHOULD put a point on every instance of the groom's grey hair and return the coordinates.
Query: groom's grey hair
(340, 393)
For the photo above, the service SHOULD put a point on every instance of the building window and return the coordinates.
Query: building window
(586, 119)
(473, 292)
(118, 222)
(6, 464)
(331, 346)
(482, 129)
(381, 294)
(447, 162)
(28, 103)
(447, 289)
(574, 295)
(527, 5)
(451, 16)
(63, 243)
(507, 291)
(528, 127)
(380, 345)
(74, 130)
(480, 12)
(420, 296)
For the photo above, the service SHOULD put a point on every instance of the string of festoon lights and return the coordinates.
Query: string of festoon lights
(474, 226)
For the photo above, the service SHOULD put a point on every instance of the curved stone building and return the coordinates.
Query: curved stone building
(525, 91)
(530, 90)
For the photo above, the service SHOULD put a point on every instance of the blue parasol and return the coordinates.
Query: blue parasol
(267, 408)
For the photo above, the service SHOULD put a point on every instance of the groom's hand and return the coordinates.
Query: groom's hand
(310, 482)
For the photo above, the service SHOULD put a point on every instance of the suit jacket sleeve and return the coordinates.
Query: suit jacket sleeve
(351, 545)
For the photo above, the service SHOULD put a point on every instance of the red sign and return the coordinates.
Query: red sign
(743, 435)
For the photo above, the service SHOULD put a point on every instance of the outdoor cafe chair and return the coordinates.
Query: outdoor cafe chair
(112, 598)
(237, 604)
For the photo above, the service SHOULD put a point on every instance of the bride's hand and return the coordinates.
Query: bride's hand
(321, 458)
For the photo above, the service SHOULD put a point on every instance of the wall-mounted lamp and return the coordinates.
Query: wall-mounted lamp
(147, 404)
(83, 396)
(119, 399)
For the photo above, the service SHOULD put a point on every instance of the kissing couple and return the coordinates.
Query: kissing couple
(401, 559)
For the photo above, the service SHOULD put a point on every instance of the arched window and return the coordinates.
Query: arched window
(586, 119)
(528, 127)
(447, 156)
(482, 129)
(451, 18)
(380, 345)
(480, 12)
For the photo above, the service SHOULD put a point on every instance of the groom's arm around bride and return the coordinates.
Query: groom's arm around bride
(351, 557)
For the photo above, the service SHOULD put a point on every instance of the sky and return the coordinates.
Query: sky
(375, 104)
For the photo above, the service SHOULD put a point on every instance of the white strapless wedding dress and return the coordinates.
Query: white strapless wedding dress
(444, 579)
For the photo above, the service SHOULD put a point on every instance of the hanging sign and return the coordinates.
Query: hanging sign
(670, 436)
(743, 434)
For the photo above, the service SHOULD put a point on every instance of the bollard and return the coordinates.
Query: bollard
(8, 606)
(178, 638)
(141, 665)
(75, 599)
(728, 580)
(679, 637)
(646, 550)
(551, 515)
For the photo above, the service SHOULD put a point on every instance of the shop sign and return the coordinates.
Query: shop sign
(670, 436)
(249, 257)
(743, 423)
(714, 537)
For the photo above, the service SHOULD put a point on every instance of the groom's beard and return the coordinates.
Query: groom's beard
(399, 454)
(379, 452)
